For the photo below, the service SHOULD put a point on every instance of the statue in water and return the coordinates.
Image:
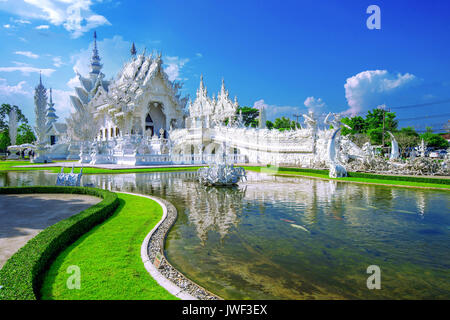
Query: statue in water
(220, 173)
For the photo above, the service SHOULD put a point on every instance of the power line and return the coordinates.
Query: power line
(422, 104)
(425, 117)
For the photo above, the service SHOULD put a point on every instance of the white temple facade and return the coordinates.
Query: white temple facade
(140, 118)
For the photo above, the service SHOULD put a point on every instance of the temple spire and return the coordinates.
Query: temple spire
(96, 66)
(51, 112)
(202, 86)
(133, 50)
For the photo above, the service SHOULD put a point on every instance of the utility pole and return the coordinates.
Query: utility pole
(296, 116)
(382, 137)
(383, 107)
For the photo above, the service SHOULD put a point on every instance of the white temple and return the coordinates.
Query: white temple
(140, 118)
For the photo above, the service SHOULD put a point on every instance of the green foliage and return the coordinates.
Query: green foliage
(374, 120)
(5, 109)
(409, 131)
(249, 115)
(376, 135)
(269, 124)
(357, 124)
(21, 276)
(5, 141)
(25, 134)
(434, 140)
(284, 124)
(372, 125)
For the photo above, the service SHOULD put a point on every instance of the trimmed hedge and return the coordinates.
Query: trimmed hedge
(371, 175)
(22, 275)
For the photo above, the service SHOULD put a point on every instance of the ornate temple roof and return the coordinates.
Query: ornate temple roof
(138, 77)
(218, 108)
(89, 86)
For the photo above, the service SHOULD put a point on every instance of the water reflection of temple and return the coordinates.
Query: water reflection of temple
(218, 209)
(212, 208)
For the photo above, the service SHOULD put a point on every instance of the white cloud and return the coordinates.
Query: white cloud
(62, 103)
(21, 64)
(6, 26)
(76, 16)
(26, 70)
(21, 21)
(314, 104)
(274, 111)
(174, 66)
(113, 52)
(20, 88)
(199, 55)
(28, 54)
(369, 88)
(42, 26)
(57, 62)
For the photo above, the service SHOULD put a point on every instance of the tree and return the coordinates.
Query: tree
(269, 124)
(249, 116)
(434, 140)
(25, 134)
(374, 120)
(358, 125)
(5, 109)
(407, 138)
(4, 140)
(284, 124)
(358, 138)
(375, 135)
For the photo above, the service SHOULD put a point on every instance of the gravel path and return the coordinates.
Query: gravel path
(156, 244)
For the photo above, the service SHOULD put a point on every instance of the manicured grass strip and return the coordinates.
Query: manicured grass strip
(9, 166)
(109, 258)
(359, 177)
(21, 276)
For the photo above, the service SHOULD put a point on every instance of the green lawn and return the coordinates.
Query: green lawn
(353, 179)
(109, 258)
(8, 165)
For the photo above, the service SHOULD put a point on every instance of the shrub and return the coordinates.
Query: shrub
(22, 274)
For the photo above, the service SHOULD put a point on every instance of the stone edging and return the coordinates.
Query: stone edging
(166, 275)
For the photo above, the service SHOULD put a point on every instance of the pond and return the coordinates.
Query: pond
(296, 238)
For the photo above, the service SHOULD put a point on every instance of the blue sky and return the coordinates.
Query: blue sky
(290, 56)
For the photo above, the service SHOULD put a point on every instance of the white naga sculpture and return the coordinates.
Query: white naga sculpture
(395, 154)
(336, 169)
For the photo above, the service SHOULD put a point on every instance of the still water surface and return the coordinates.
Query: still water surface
(296, 238)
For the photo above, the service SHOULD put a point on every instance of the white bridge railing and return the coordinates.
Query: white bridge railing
(147, 159)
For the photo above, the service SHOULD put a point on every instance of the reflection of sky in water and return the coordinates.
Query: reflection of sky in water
(280, 237)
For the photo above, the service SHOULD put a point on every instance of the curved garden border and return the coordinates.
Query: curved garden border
(166, 275)
(22, 274)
